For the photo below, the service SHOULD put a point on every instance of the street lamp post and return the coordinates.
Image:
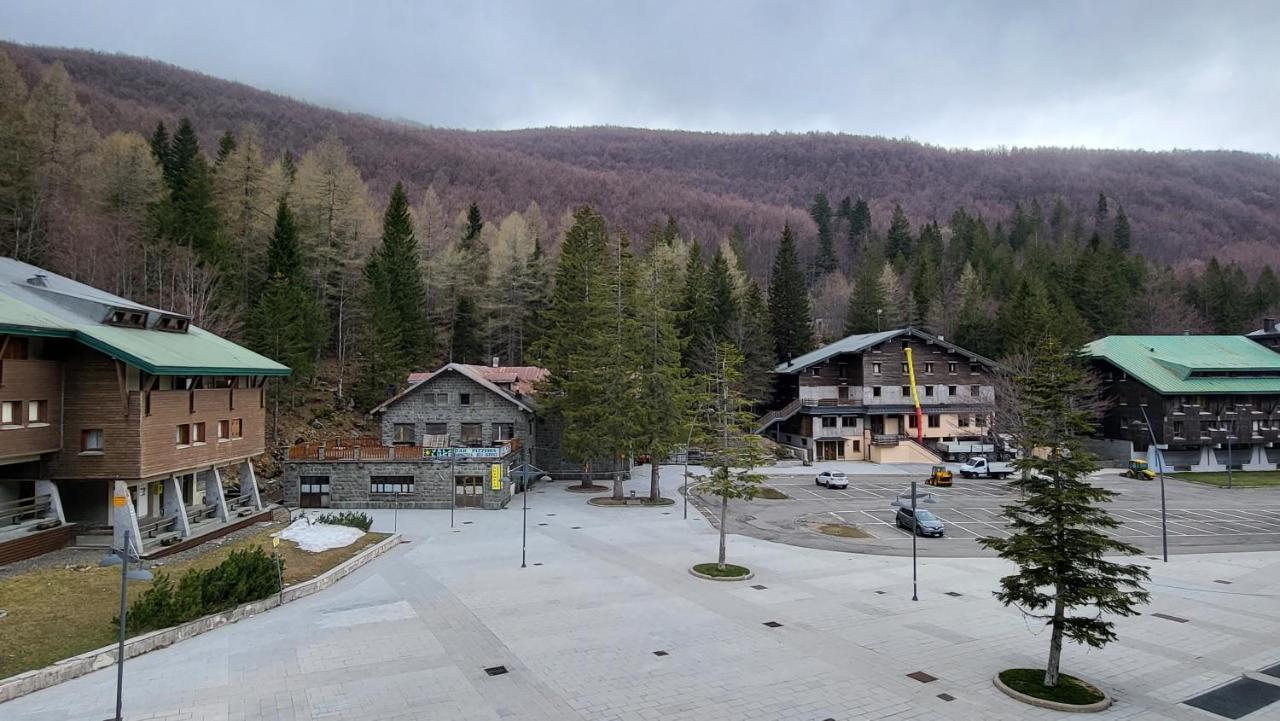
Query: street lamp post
(915, 595)
(1164, 525)
(121, 558)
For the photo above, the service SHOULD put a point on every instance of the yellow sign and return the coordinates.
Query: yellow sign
(275, 541)
(495, 476)
(118, 501)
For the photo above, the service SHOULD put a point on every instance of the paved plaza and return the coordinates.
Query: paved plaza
(606, 624)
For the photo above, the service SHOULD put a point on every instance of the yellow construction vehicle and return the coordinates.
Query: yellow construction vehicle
(939, 476)
(1138, 469)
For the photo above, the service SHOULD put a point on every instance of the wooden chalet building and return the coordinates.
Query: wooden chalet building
(102, 398)
(1211, 401)
(851, 400)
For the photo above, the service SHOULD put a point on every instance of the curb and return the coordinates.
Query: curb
(1055, 705)
(76, 666)
(750, 575)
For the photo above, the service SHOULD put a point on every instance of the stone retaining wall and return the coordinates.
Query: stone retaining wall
(67, 669)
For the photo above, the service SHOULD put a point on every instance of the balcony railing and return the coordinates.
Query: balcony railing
(372, 449)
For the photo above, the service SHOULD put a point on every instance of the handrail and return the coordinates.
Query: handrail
(20, 508)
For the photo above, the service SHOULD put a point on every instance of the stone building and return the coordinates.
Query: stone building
(851, 399)
(451, 439)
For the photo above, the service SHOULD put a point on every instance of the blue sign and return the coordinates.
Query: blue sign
(488, 452)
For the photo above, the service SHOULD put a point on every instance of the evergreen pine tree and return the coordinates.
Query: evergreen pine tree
(466, 345)
(789, 318)
(1101, 212)
(160, 147)
(867, 298)
(289, 166)
(1266, 291)
(1120, 233)
(755, 342)
(226, 145)
(898, 243)
(536, 293)
(1059, 537)
(285, 322)
(189, 217)
(859, 226)
(722, 299)
(696, 314)
(820, 211)
(475, 224)
(1026, 318)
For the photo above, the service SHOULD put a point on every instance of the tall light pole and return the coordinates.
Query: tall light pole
(1164, 524)
(122, 557)
(915, 595)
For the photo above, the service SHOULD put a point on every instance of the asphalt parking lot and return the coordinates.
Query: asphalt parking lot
(1199, 518)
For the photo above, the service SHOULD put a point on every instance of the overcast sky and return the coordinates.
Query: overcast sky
(1153, 75)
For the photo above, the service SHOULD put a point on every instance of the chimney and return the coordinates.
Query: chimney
(1269, 325)
(38, 280)
(495, 361)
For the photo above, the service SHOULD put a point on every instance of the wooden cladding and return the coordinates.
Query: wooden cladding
(31, 393)
(200, 411)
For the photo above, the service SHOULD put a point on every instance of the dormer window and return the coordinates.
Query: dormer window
(128, 318)
(172, 324)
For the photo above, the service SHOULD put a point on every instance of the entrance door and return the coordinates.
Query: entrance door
(830, 450)
(313, 491)
(877, 425)
(468, 491)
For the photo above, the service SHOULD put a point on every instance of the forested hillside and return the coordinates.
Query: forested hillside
(312, 235)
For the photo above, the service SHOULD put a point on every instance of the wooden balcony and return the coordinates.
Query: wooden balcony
(372, 450)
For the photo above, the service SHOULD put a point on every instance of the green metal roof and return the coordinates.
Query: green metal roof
(863, 341)
(1169, 363)
(67, 309)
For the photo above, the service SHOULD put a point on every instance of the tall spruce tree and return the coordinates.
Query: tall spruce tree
(755, 342)
(465, 342)
(722, 298)
(1059, 537)
(226, 146)
(1121, 235)
(867, 301)
(662, 404)
(820, 211)
(188, 216)
(859, 226)
(696, 312)
(789, 319)
(475, 224)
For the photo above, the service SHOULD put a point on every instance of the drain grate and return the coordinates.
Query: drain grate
(467, 523)
(1237, 699)
(880, 593)
(496, 670)
(946, 697)
(953, 594)
(922, 677)
(577, 528)
(542, 524)
(660, 653)
(1219, 580)
(539, 563)
(1167, 617)
(759, 587)
(773, 624)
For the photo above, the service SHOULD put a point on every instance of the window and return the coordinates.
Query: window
(962, 421)
(503, 432)
(980, 421)
(91, 440)
(313, 491)
(441, 399)
(844, 370)
(928, 367)
(975, 367)
(829, 421)
(815, 371)
(913, 422)
(37, 412)
(464, 399)
(183, 437)
(403, 434)
(172, 324)
(10, 413)
(975, 391)
(855, 446)
(875, 391)
(952, 390)
(237, 427)
(197, 433)
(472, 434)
(437, 429)
(1177, 428)
(133, 319)
(224, 431)
(935, 421)
(875, 368)
(951, 366)
(391, 484)
(906, 391)
(928, 391)
(905, 368)
(849, 421)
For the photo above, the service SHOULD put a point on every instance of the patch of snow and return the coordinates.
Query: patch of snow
(317, 537)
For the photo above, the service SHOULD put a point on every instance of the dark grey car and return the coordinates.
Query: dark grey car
(926, 523)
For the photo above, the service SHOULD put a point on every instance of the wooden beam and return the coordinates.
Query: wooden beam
(4, 345)
(121, 375)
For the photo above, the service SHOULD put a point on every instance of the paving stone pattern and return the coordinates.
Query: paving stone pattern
(412, 635)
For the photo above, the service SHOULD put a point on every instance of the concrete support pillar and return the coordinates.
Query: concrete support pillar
(1257, 459)
(124, 517)
(174, 507)
(213, 495)
(249, 485)
(50, 489)
(1208, 460)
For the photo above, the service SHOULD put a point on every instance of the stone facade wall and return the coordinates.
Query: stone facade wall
(486, 408)
(349, 482)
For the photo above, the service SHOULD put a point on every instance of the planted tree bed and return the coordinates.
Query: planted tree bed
(730, 571)
(610, 501)
(1070, 690)
(593, 488)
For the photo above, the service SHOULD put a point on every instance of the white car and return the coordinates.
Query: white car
(832, 479)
